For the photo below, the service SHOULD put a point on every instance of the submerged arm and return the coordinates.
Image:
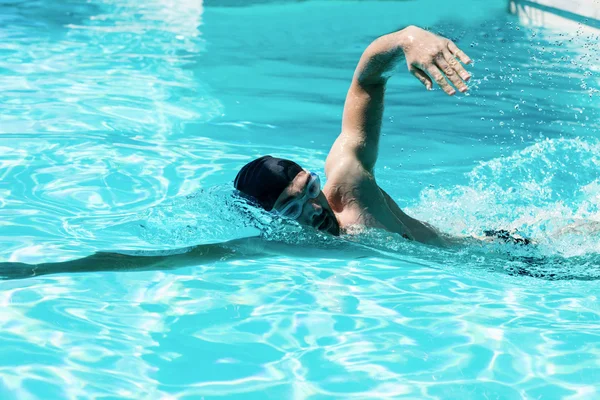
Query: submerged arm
(239, 249)
(115, 261)
(428, 57)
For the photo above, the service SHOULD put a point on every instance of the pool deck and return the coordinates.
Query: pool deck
(558, 13)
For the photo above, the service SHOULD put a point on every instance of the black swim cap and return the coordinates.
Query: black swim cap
(265, 178)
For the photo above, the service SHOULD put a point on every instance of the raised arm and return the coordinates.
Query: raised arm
(428, 56)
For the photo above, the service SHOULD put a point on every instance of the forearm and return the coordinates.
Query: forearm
(363, 109)
(101, 261)
(380, 58)
(115, 261)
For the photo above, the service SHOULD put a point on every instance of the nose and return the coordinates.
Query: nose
(315, 210)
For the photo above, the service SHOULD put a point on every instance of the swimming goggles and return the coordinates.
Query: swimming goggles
(293, 209)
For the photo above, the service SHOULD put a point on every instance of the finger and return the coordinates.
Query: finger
(456, 66)
(435, 73)
(451, 74)
(458, 53)
(423, 77)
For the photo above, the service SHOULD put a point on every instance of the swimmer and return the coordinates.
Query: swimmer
(350, 198)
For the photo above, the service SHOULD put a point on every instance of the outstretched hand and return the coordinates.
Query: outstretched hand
(431, 57)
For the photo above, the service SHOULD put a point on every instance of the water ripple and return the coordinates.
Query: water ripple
(124, 123)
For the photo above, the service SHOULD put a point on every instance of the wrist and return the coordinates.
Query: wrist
(405, 37)
(383, 54)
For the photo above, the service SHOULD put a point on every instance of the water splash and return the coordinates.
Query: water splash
(548, 192)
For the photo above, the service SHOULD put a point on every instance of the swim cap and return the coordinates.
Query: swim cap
(265, 178)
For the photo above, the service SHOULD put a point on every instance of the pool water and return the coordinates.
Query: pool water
(124, 123)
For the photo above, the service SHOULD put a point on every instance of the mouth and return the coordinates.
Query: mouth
(324, 224)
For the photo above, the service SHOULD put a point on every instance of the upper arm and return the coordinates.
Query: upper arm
(361, 126)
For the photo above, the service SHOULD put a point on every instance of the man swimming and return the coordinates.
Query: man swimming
(351, 197)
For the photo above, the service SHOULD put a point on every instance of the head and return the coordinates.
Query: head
(282, 186)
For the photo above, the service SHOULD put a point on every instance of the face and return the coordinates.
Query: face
(315, 212)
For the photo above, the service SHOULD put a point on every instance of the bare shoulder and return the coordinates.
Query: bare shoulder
(348, 182)
(345, 172)
(343, 166)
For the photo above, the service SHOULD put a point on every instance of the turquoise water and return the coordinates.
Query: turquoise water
(123, 124)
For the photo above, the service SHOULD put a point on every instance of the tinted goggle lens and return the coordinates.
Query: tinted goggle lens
(294, 208)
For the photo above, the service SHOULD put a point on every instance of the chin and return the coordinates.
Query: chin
(335, 230)
(334, 226)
